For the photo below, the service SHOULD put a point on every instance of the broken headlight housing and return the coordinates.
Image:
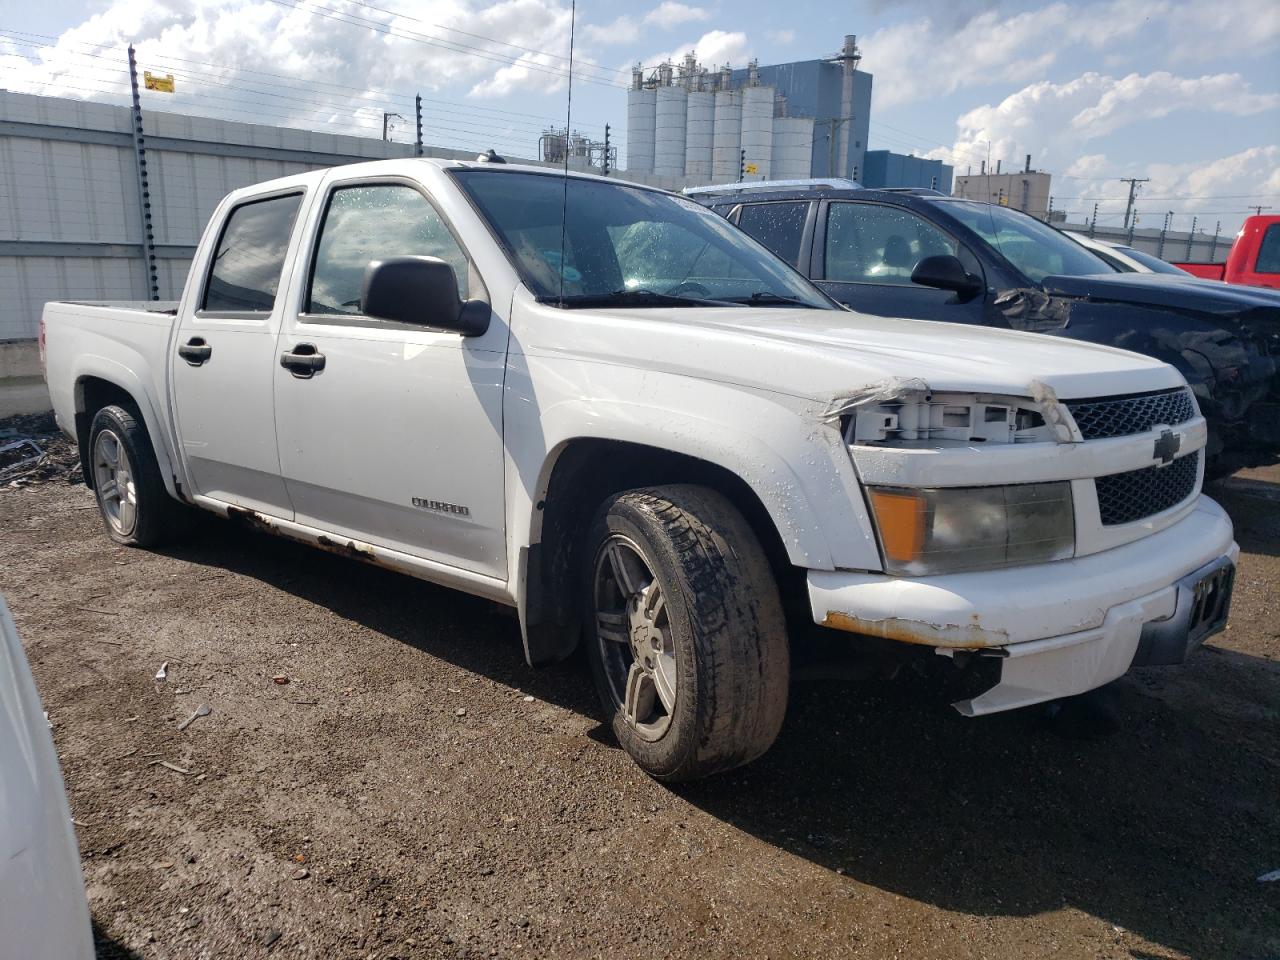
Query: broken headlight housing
(952, 529)
(920, 418)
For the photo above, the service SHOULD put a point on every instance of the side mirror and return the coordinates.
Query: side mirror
(422, 291)
(946, 272)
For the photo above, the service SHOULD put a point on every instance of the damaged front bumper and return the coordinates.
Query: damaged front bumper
(1058, 629)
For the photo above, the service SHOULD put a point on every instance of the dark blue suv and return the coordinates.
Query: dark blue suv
(921, 255)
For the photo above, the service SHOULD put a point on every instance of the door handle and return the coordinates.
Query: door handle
(195, 351)
(303, 361)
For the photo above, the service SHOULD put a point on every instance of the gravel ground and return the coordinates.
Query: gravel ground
(414, 790)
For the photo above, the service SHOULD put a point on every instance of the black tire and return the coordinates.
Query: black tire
(154, 516)
(723, 618)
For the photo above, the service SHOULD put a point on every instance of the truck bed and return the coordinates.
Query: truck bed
(1205, 271)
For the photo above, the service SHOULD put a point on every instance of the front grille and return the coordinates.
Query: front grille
(1126, 497)
(1122, 416)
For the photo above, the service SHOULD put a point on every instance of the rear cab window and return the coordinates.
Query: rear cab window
(1269, 251)
(779, 226)
(244, 276)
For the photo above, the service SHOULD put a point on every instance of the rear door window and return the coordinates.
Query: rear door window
(245, 275)
(878, 243)
(779, 226)
(1269, 251)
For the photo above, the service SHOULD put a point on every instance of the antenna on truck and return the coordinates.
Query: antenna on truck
(568, 119)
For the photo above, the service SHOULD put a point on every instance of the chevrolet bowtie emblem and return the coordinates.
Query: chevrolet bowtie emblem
(1167, 446)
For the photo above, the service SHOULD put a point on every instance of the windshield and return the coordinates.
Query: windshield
(1152, 263)
(1033, 247)
(624, 246)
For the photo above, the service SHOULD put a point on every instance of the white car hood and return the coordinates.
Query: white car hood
(43, 911)
(823, 355)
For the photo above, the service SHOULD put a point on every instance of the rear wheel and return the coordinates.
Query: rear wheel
(685, 631)
(136, 509)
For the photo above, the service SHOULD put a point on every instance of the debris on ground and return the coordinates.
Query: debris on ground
(33, 450)
(1269, 876)
(169, 766)
(201, 711)
(280, 678)
(163, 672)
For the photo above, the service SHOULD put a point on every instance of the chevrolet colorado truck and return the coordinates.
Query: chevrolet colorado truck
(605, 406)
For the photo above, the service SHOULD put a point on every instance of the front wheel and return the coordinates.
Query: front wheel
(685, 631)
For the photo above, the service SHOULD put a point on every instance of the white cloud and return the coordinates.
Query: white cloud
(670, 14)
(781, 37)
(340, 68)
(622, 30)
(712, 49)
(1158, 94)
(926, 57)
(1202, 31)
(1051, 120)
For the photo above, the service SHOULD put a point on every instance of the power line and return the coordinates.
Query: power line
(450, 46)
(380, 96)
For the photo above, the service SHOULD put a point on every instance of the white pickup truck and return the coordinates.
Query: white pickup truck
(602, 404)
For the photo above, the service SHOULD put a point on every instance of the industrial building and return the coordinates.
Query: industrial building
(779, 122)
(1027, 191)
(884, 168)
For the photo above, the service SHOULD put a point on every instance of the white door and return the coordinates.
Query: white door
(396, 439)
(225, 365)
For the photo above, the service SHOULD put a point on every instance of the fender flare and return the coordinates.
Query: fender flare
(126, 379)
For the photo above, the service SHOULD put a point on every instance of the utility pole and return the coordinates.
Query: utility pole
(1133, 225)
(1048, 217)
(1133, 192)
(1093, 223)
(1257, 209)
(606, 149)
(386, 123)
(1213, 247)
(417, 113)
(1191, 236)
(742, 166)
(144, 185)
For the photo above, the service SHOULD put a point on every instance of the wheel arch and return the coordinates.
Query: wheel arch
(579, 475)
(96, 388)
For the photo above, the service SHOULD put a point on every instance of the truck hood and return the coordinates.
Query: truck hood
(1162, 290)
(822, 354)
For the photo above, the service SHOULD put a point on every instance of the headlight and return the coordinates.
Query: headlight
(945, 530)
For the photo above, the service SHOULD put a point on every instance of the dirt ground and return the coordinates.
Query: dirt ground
(415, 790)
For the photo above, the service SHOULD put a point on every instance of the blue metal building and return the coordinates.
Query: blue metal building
(884, 168)
(837, 95)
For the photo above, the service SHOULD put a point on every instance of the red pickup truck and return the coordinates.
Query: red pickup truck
(1254, 259)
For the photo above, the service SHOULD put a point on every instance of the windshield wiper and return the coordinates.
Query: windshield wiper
(634, 298)
(769, 298)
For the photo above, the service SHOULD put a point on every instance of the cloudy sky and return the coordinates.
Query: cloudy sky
(1187, 94)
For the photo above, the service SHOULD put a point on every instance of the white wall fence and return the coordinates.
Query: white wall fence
(71, 224)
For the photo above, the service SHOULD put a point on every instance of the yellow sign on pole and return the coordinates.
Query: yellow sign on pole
(751, 168)
(159, 84)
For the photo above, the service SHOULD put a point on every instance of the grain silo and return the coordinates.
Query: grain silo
(792, 157)
(668, 160)
(726, 150)
(699, 134)
(757, 127)
(641, 124)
